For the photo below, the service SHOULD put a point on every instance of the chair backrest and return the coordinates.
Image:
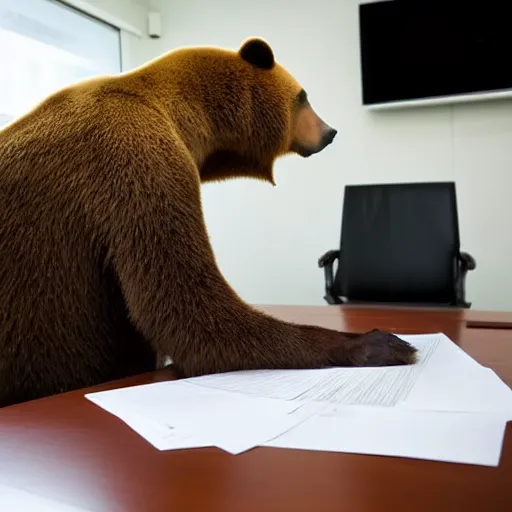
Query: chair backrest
(399, 243)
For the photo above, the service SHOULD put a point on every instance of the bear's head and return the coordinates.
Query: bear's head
(251, 111)
(304, 132)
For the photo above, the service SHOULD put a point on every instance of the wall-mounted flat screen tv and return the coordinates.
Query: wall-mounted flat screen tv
(423, 52)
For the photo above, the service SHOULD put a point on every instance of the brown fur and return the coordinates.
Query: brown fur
(105, 261)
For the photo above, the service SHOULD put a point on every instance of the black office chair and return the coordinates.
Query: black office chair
(399, 244)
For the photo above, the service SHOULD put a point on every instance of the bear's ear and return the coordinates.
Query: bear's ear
(257, 52)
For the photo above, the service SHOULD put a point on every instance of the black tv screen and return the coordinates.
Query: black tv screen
(417, 50)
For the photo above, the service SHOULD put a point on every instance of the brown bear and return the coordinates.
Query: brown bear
(105, 261)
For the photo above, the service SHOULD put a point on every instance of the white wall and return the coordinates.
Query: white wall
(137, 50)
(267, 240)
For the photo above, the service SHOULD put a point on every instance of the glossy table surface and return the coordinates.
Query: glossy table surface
(67, 449)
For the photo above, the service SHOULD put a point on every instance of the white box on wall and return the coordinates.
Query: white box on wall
(154, 25)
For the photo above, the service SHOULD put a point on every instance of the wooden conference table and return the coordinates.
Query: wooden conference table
(67, 449)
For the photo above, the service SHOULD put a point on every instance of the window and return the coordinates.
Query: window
(46, 45)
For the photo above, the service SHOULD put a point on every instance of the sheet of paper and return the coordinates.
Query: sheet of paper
(350, 386)
(476, 391)
(173, 415)
(468, 438)
(453, 381)
(17, 500)
(159, 435)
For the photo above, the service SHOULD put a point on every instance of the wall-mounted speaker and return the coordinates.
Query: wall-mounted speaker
(154, 25)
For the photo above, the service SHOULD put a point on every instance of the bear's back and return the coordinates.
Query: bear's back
(59, 297)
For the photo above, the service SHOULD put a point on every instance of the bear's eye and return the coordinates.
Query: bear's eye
(302, 97)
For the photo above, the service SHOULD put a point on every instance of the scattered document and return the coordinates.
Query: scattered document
(448, 437)
(446, 407)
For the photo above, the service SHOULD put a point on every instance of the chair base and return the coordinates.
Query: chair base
(335, 301)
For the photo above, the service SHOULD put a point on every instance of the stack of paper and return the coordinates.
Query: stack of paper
(446, 407)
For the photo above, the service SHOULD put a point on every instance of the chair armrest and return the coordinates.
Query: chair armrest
(326, 262)
(328, 258)
(467, 262)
